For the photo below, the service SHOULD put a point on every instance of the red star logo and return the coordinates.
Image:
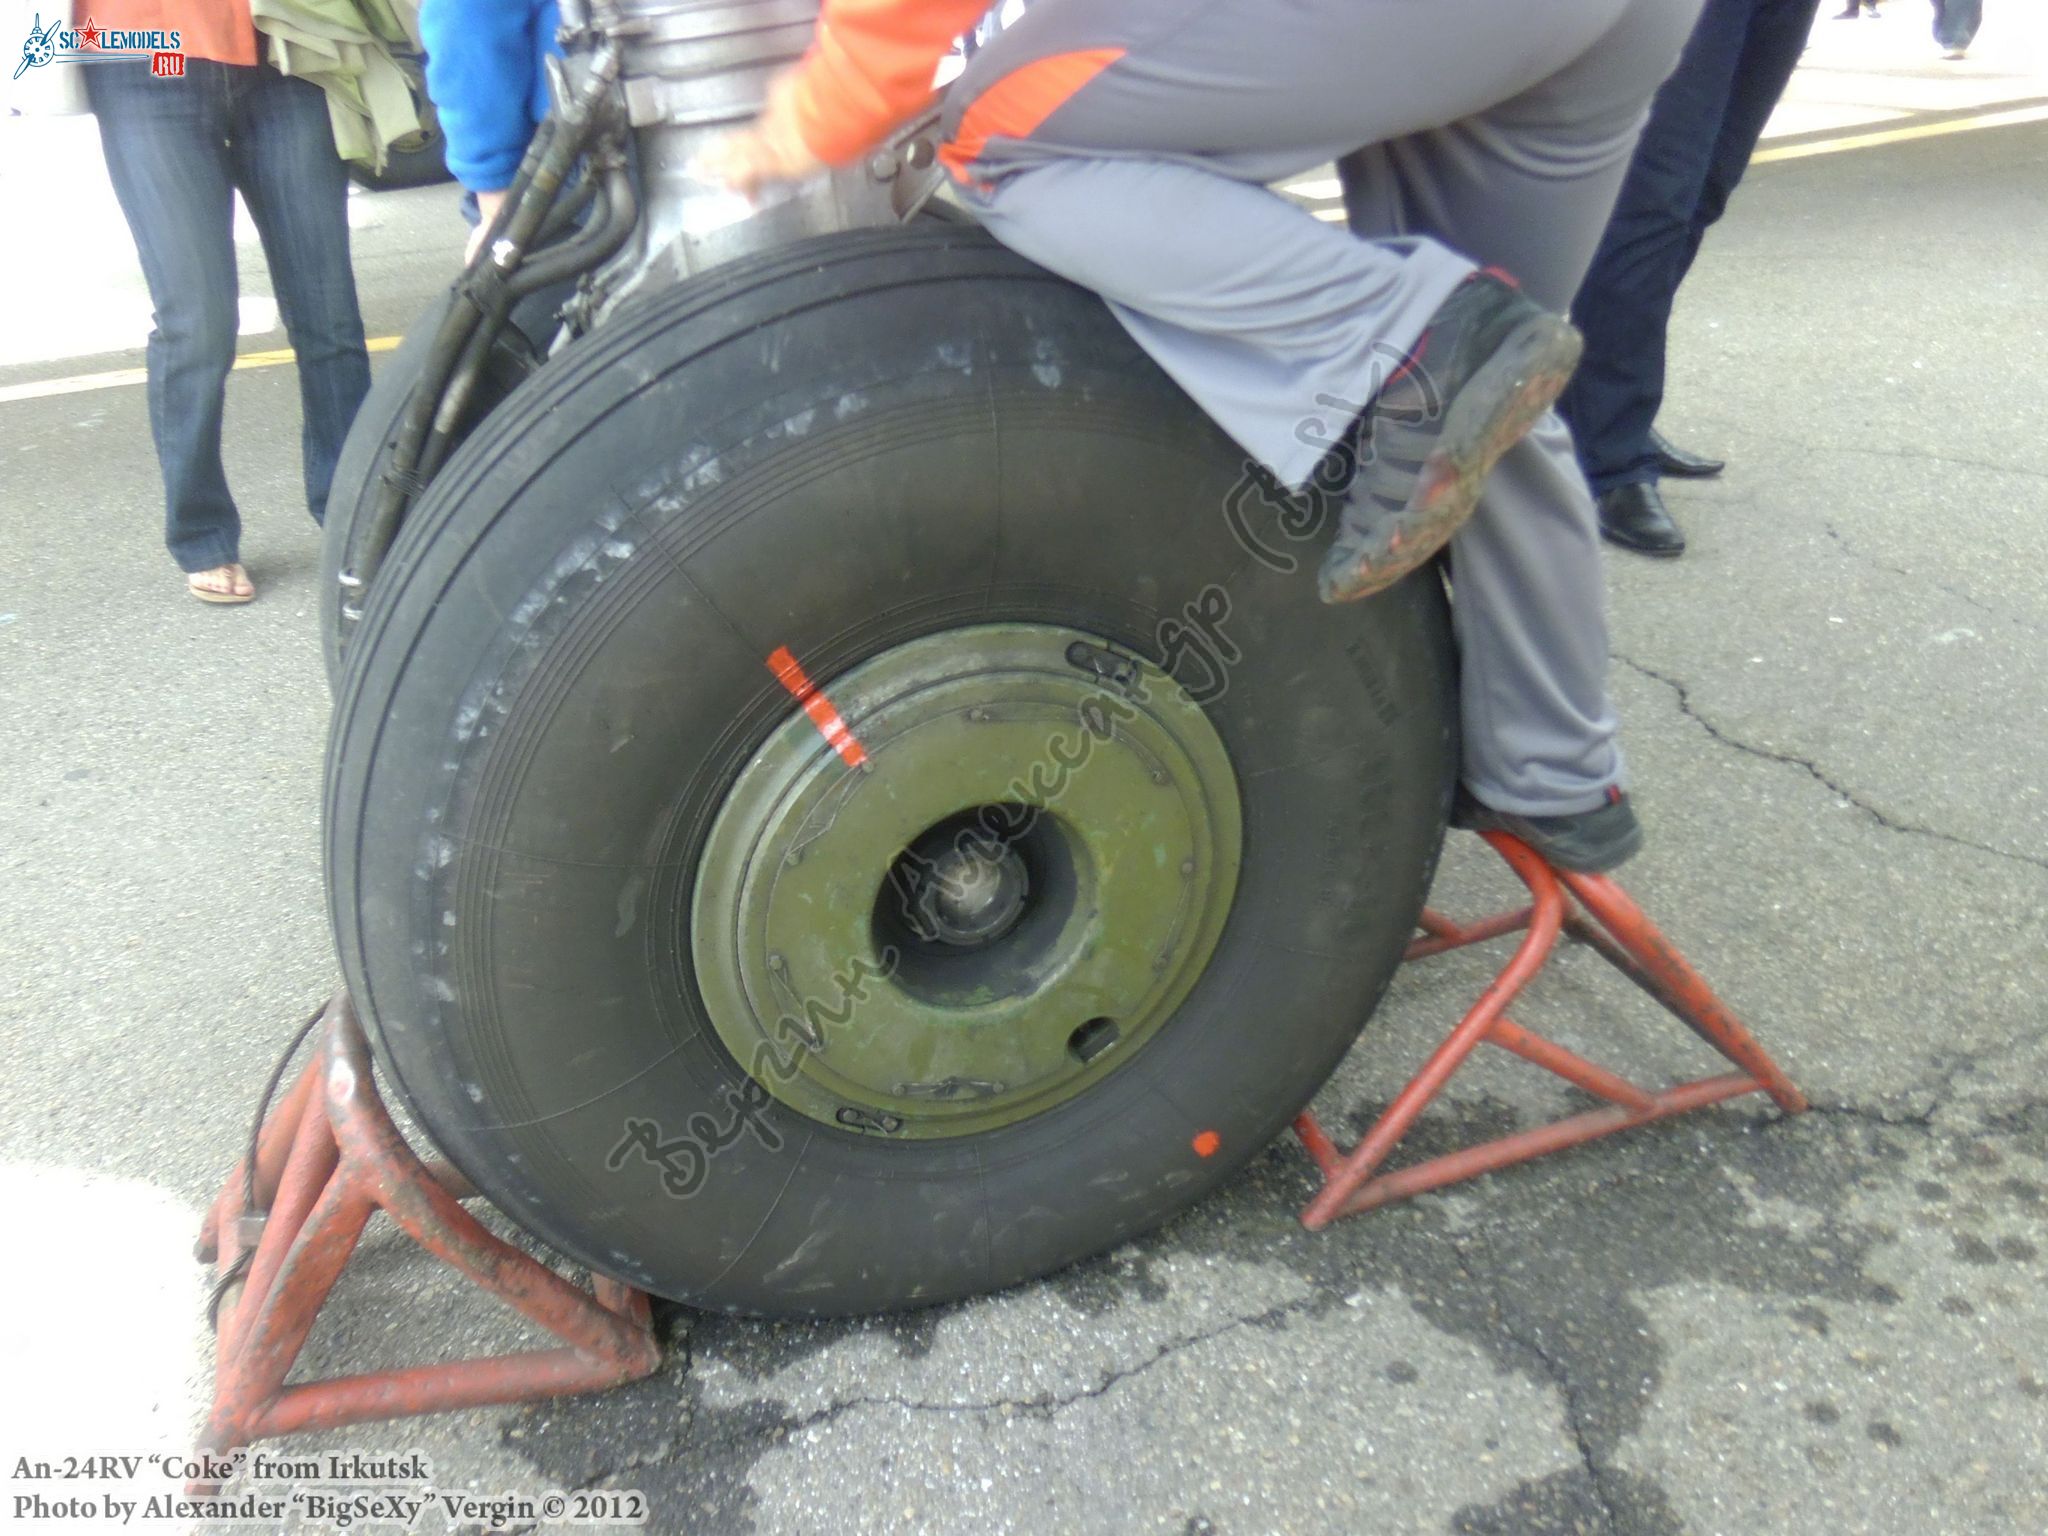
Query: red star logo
(89, 35)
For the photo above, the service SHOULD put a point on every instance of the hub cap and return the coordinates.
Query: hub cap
(1000, 907)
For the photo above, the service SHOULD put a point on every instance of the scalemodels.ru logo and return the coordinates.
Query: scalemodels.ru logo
(91, 44)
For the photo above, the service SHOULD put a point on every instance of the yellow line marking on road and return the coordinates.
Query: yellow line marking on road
(1882, 136)
(81, 383)
(114, 378)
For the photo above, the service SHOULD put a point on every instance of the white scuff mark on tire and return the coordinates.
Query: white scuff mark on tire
(629, 905)
(796, 1255)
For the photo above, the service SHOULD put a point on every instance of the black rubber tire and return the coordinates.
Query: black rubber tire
(359, 469)
(836, 447)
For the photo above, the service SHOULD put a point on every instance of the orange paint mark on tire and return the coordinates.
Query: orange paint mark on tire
(1206, 1143)
(790, 673)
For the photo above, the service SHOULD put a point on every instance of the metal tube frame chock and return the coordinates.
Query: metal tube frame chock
(327, 1158)
(1594, 911)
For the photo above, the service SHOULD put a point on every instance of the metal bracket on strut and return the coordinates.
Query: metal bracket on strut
(1614, 927)
(909, 163)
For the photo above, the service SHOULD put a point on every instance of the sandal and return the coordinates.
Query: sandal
(223, 584)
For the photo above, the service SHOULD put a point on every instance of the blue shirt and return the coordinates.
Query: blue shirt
(487, 77)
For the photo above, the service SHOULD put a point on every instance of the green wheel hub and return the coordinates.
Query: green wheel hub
(1000, 906)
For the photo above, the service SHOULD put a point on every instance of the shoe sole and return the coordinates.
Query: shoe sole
(1498, 406)
(1652, 551)
(1586, 859)
(1599, 858)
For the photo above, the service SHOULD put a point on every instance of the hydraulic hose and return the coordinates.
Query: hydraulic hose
(485, 293)
(609, 229)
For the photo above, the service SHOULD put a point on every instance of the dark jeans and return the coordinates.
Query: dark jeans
(177, 151)
(1956, 22)
(1703, 127)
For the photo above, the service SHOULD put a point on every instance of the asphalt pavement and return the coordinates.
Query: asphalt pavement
(1836, 709)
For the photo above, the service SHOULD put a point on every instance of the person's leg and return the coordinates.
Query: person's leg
(1072, 130)
(1969, 19)
(1544, 173)
(163, 143)
(1280, 327)
(1528, 186)
(1956, 22)
(1777, 36)
(1623, 306)
(297, 190)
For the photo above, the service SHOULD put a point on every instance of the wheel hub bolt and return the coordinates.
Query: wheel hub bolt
(965, 893)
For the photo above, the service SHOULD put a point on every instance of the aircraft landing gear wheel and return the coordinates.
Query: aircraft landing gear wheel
(826, 814)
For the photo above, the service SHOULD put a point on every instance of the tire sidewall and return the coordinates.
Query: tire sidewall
(670, 462)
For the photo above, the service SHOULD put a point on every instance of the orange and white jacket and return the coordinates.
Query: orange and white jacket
(870, 68)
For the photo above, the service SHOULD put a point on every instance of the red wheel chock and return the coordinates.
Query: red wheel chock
(327, 1157)
(1626, 939)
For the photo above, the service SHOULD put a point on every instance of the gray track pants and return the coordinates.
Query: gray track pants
(1127, 146)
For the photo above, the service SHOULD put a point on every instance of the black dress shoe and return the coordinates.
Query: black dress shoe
(1634, 517)
(1674, 460)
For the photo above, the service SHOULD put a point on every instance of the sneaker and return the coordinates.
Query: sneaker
(1588, 843)
(1485, 369)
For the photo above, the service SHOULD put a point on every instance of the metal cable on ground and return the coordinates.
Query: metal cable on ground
(240, 1267)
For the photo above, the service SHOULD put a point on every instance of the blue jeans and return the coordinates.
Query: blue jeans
(1703, 127)
(177, 151)
(1956, 21)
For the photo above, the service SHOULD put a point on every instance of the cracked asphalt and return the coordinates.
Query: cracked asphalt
(1836, 709)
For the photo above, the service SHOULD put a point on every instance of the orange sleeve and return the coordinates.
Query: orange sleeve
(870, 67)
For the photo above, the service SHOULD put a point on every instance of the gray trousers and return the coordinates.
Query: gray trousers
(1128, 146)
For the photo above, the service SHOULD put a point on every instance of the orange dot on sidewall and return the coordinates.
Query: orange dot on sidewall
(1206, 1143)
